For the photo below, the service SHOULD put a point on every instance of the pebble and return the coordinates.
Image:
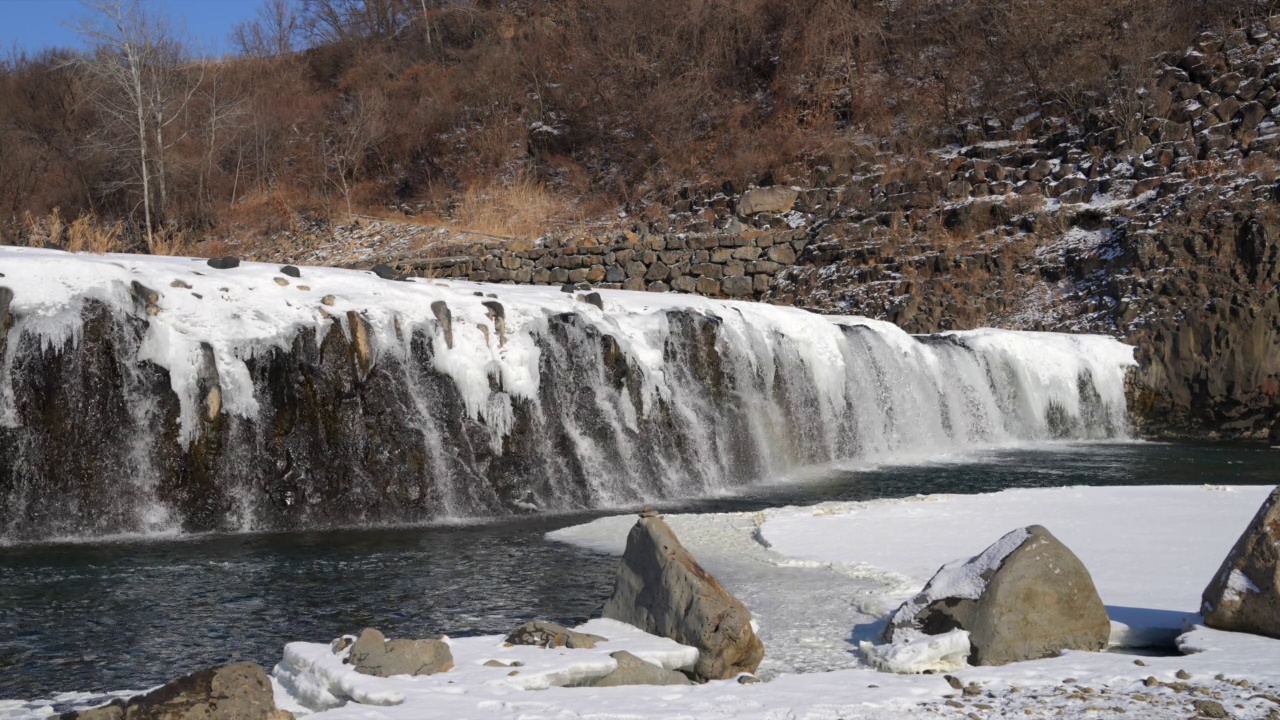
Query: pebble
(1210, 708)
(281, 282)
(1182, 675)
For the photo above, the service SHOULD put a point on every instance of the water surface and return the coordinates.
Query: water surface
(132, 614)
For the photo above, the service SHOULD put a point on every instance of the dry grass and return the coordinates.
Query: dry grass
(88, 234)
(84, 234)
(523, 208)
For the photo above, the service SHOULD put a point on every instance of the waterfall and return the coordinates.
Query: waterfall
(142, 394)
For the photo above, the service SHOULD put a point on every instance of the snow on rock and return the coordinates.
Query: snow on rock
(316, 677)
(961, 578)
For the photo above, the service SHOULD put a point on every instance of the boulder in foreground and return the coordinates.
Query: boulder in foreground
(373, 654)
(1025, 597)
(241, 691)
(662, 590)
(1244, 595)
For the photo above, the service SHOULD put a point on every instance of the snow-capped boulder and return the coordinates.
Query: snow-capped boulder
(241, 691)
(634, 671)
(1025, 597)
(373, 654)
(662, 590)
(551, 635)
(1244, 595)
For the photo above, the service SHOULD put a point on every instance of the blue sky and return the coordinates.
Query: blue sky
(35, 24)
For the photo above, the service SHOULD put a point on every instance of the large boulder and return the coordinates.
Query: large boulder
(1245, 594)
(241, 691)
(634, 671)
(662, 590)
(776, 200)
(1025, 597)
(550, 635)
(373, 654)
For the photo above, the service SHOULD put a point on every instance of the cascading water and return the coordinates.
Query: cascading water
(140, 394)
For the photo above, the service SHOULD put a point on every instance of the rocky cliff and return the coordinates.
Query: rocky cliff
(1152, 217)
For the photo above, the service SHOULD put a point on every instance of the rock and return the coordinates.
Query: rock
(1025, 597)
(745, 679)
(6, 318)
(737, 286)
(1039, 171)
(330, 300)
(776, 200)
(1210, 709)
(145, 297)
(550, 635)
(223, 263)
(361, 345)
(373, 654)
(498, 316)
(1251, 115)
(440, 309)
(241, 691)
(281, 282)
(662, 590)
(634, 671)
(1244, 595)
(592, 298)
(291, 271)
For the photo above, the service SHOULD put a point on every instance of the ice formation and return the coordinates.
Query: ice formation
(338, 397)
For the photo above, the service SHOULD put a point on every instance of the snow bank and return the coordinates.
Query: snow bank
(314, 677)
(1139, 543)
(1150, 550)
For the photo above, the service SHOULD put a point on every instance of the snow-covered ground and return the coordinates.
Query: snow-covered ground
(821, 578)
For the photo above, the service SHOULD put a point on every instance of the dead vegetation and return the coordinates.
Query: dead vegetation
(507, 117)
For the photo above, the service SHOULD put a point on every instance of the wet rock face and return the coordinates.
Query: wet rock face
(1036, 600)
(241, 691)
(1244, 596)
(662, 590)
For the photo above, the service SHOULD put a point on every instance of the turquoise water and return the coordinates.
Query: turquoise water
(131, 614)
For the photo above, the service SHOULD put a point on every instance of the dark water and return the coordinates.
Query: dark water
(121, 615)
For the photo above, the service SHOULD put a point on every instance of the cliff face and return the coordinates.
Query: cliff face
(1153, 218)
(1164, 234)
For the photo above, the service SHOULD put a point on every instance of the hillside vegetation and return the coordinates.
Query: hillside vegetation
(505, 116)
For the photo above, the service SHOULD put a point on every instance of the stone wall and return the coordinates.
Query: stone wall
(737, 262)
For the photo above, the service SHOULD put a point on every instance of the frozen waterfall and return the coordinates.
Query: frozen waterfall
(142, 394)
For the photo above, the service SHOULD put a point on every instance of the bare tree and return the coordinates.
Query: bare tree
(354, 129)
(272, 33)
(341, 20)
(139, 85)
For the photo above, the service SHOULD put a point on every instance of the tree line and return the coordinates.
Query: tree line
(334, 106)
